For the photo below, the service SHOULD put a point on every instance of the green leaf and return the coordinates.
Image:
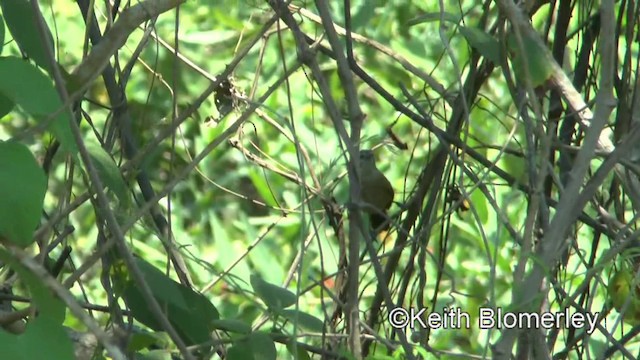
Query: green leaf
(143, 340)
(189, 312)
(298, 352)
(257, 345)
(163, 287)
(21, 22)
(159, 354)
(6, 105)
(538, 60)
(29, 88)
(262, 346)
(275, 297)
(44, 337)
(108, 172)
(231, 325)
(303, 319)
(484, 43)
(139, 307)
(262, 186)
(1, 34)
(240, 351)
(23, 185)
(199, 305)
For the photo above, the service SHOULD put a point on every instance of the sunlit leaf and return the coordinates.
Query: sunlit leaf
(21, 22)
(33, 91)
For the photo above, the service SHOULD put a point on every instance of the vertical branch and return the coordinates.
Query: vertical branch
(572, 200)
(356, 118)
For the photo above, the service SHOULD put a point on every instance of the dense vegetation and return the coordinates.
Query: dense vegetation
(181, 179)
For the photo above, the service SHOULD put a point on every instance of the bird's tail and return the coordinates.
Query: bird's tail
(379, 222)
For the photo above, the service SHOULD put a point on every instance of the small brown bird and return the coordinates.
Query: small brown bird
(376, 190)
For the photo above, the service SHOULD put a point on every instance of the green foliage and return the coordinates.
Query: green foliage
(21, 21)
(306, 321)
(27, 87)
(257, 193)
(22, 189)
(482, 42)
(275, 297)
(188, 311)
(45, 331)
(529, 60)
(262, 346)
(1, 33)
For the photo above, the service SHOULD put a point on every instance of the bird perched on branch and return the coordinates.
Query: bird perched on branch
(376, 190)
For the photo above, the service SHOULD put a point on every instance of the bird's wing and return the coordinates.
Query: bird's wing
(378, 192)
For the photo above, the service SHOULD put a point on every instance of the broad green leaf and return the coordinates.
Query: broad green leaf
(42, 340)
(23, 185)
(199, 305)
(6, 105)
(139, 307)
(195, 324)
(303, 319)
(262, 346)
(240, 351)
(33, 91)
(143, 340)
(162, 287)
(44, 337)
(21, 22)
(538, 60)
(484, 43)
(275, 297)
(108, 171)
(189, 312)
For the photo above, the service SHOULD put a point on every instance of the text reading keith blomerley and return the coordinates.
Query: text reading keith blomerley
(488, 318)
